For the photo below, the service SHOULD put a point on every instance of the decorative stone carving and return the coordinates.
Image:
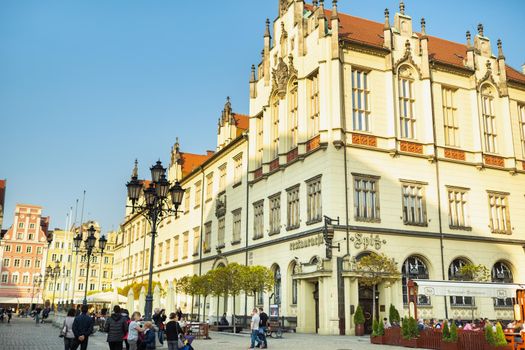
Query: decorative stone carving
(220, 207)
(298, 268)
(407, 58)
(281, 76)
(366, 140)
(364, 241)
(454, 154)
(494, 160)
(488, 78)
(411, 147)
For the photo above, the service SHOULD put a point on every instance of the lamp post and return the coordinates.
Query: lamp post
(36, 282)
(88, 251)
(155, 206)
(53, 273)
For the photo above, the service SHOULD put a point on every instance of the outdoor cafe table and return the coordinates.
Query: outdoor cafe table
(511, 338)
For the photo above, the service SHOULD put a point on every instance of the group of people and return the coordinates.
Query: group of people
(6, 313)
(122, 330)
(258, 327)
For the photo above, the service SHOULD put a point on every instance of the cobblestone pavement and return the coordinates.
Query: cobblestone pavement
(23, 333)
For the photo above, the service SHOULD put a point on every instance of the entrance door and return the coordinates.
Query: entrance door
(366, 302)
(316, 300)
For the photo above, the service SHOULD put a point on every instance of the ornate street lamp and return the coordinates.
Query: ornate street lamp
(88, 251)
(159, 200)
(53, 273)
(36, 283)
(328, 235)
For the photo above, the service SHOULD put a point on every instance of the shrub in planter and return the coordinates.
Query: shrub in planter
(450, 340)
(489, 335)
(410, 332)
(446, 331)
(380, 328)
(393, 315)
(376, 337)
(499, 338)
(359, 321)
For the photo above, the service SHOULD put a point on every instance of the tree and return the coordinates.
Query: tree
(446, 331)
(257, 278)
(376, 268)
(203, 287)
(499, 338)
(489, 335)
(359, 317)
(234, 274)
(453, 333)
(219, 284)
(477, 273)
(184, 286)
(393, 315)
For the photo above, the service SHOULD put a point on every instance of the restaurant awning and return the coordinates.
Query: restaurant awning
(14, 300)
(468, 289)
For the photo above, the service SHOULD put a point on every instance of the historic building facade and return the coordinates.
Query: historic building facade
(24, 248)
(71, 284)
(416, 144)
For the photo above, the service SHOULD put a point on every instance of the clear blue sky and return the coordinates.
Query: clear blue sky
(87, 86)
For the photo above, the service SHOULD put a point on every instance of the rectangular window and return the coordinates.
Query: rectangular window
(196, 240)
(106, 259)
(360, 101)
(105, 274)
(16, 263)
(198, 193)
(450, 122)
(6, 262)
(274, 151)
(207, 237)
(236, 234)
(489, 123)
(94, 272)
(18, 249)
(37, 263)
(185, 243)
(31, 225)
(222, 178)
(221, 232)
(30, 236)
(499, 213)
(14, 279)
(159, 254)
(20, 236)
(414, 207)
(81, 286)
(27, 263)
(187, 196)
(293, 208)
(92, 286)
(168, 248)
(20, 225)
(366, 198)
(275, 213)
(7, 248)
(25, 279)
(176, 249)
(237, 171)
(407, 115)
(258, 219)
(5, 277)
(457, 208)
(314, 204)
(29, 249)
(313, 105)
(209, 186)
(293, 117)
(259, 142)
(39, 250)
(521, 118)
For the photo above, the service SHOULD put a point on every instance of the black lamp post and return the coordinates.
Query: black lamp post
(53, 273)
(155, 207)
(328, 235)
(88, 251)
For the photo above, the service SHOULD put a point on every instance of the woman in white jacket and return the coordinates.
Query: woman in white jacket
(67, 329)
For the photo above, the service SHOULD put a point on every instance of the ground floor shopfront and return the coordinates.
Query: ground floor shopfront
(319, 295)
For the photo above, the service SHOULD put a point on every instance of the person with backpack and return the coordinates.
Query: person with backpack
(134, 330)
(116, 328)
(173, 332)
(82, 329)
(263, 324)
(159, 318)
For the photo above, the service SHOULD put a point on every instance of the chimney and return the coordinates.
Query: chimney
(210, 153)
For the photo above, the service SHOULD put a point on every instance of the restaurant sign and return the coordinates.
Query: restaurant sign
(316, 240)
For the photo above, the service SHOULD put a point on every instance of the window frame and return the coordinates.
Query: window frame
(450, 116)
(361, 95)
(504, 207)
(454, 221)
(293, 207)
(274, 217)
(314, 200)
(421, 186)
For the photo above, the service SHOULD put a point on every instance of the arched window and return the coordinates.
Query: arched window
(275, 128)
(454, 274)
(489, 119)
(277, 284)
(501, 273)
(407, 100)
(414, 268)
(292, 115)
(293, 270)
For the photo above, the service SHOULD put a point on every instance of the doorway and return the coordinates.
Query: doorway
(366, 297)
(316, 301)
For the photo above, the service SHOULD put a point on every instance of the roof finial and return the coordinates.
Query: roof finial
(267, 29)
(321, 9)
(315, 3)
(480, 29)
(500, 49)
(423, 26)
(135, 172)
(252, 74)
(469, 44)
(387, 19)
(402, 7)
(334, 9)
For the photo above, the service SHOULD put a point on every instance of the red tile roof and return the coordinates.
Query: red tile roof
(192, 161)
(243, 121)
(369, 32)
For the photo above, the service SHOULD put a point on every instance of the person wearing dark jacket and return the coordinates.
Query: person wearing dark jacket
(149, 335)
(173, 331)
(116, 327)
(159, 317)
(82, 329)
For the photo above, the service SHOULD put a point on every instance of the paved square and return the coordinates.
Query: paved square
(23, 333)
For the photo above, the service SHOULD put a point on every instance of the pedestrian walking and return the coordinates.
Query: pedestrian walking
(125, 314)
(179, 313)
(82, 329)
(116, 328)
(149, 336)
(263, 324)
(38, 310)
(67, 329)
(159, 318)
(9, 314)
(173, 333)
(254, 326)
(134, 329)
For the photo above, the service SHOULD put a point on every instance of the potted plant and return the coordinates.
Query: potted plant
(359, 321)
(410, 333)
(393, 334)
(496, 340)
(393, 316)
(450, 338)
(378, 331)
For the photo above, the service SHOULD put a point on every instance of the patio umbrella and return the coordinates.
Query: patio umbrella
(131, 300)
(156, 297)
(142, 299)
(169, 298)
